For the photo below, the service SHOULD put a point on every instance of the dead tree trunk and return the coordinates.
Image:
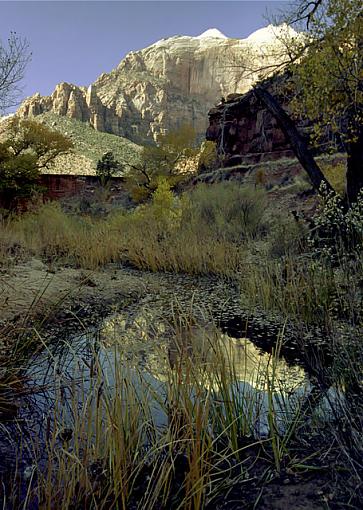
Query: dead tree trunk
(297, 142)
(355, 166)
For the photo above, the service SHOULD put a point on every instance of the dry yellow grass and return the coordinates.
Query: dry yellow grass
(335, 174)
(194, 235)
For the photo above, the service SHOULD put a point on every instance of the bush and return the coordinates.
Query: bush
(335, 175)
(107, 167)
(228, 211)
(208, 157)
(165, 206)
(287, 236)
(337, 230)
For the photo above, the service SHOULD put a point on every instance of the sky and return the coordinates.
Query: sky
(76, 41)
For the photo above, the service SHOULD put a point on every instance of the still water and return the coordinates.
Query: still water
(144, 351)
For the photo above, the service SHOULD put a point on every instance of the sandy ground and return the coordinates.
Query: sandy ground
(63, 299)
(57, 299)
(32, 288)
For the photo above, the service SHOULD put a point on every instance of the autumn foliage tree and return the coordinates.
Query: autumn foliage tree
(167, 160)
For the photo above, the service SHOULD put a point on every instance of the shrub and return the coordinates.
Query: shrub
(337, 229)
(165, 207)
(228, 211)
(107, 167)
(287, 236)
(208, 157)
(335, 174)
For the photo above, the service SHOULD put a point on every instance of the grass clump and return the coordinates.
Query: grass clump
(201, 232)
(228, 212)
(129, 437)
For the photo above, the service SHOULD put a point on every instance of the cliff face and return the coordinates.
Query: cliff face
(246, 132)
(172, 82)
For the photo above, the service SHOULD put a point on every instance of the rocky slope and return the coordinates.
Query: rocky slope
(172, 82)
(89, 146)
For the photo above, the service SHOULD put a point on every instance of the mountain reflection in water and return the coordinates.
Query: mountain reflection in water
(143, 349)
(153, 344)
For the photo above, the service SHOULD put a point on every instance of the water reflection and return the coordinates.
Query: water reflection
(153, 344)
(144, 349)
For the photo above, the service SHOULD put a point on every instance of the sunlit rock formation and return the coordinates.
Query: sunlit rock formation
(172, 82)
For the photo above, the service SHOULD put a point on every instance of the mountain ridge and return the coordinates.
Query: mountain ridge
(172, 82)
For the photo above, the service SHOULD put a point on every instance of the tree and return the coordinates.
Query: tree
(167, 160)
(107, 167)
(327, 74)
(26, 148)
(19, 175)
(14, 57)
(297, 141)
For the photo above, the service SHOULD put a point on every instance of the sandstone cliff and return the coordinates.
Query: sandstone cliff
(246, 132)
(172, 82)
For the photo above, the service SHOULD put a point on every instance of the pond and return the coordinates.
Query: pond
(143, 367)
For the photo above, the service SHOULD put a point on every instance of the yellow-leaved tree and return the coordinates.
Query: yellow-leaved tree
(168, 159)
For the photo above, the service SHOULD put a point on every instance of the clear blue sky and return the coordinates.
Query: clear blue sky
(75, 41)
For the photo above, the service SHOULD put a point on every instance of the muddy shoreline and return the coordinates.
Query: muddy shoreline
(76, 301)
(65, 301)
(61, 302)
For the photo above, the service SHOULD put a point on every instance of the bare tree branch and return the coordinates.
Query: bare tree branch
(307, 11)
(14, 57)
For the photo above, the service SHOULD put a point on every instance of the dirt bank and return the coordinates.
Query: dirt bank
(31, 288)
(59, 299)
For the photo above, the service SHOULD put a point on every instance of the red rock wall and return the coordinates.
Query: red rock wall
(60, 186)
(56, 187)
(63, 186)
(247, 133)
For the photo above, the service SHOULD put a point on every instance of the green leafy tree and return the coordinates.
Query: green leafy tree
(27, 147)
(168, 160)
(327, 73)
(18, 175)
(107, 167)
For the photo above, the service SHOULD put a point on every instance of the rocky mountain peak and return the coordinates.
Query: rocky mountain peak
(174, 81)
(212, 32)
(271, 34)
